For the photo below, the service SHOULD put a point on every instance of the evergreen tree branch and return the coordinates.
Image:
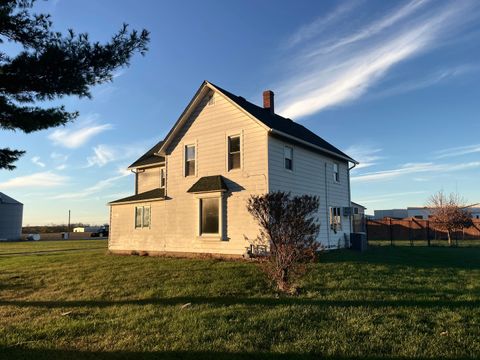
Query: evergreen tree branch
(29, 119)
(52, 65)
(8, 156)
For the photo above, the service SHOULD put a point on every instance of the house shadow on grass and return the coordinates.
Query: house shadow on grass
(415, 257)
(233, 300)
(44, 354)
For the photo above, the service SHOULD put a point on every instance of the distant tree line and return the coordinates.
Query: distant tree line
(52, 228)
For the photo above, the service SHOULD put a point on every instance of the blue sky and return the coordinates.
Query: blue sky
(395, 84)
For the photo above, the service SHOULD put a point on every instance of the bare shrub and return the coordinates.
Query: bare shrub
(288, 229)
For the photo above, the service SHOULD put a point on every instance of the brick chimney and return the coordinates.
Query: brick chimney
(268, 102)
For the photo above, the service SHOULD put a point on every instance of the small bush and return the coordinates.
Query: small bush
(288, 230)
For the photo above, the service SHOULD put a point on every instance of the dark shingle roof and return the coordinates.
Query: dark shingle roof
(284, 125)
(149, 158)
(4, 199)
(209, 183)
(357, 204)
(147, 195)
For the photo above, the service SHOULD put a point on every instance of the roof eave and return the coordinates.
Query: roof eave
(145, 166)
(135, 201)
(309, 144)
(178, 124)
(207, 191)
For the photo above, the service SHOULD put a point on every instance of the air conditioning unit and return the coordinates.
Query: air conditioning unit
(347, 211)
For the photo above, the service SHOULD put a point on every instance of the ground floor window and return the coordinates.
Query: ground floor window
(142, 216)
(335, 219)
(209, 216)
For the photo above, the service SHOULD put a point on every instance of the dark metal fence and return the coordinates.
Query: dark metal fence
(415, 230)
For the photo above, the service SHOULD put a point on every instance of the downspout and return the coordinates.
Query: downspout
(109, 242)
(327, 213)
(136, 180)
(350, 217)
(165, 205)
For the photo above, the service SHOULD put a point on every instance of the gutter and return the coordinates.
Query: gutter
(327, 210)
(135, 201)
(308, 144)
(146, 166)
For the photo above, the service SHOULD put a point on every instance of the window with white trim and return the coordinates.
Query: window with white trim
(234, 157)
(336, 174)
(335, 219)
(142, 217)
(189, 160)
(162, 177)
(209, 216)
(288, 156)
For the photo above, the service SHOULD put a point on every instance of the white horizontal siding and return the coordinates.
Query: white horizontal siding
(176, 218)
(148, 179)
(308, 177)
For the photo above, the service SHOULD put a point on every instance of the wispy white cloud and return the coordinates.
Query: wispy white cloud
(413, 168)
(74, 138)
(36, 161)
(59, 157)
(337, 70)
(436, 77)
(306, 32)
(37, 180)
(94, 189)
(60, 160)
(118, 195)
(103, 154)
(388, 197)
(366, 155)
(119, 72)
(458, 151)
(371, 29)
(104, 92)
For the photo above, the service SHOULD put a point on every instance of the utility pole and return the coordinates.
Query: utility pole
(68, 234)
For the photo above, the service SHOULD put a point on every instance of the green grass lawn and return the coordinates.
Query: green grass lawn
(422, 243)
(70, 300)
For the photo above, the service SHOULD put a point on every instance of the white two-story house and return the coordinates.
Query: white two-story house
(192, 187)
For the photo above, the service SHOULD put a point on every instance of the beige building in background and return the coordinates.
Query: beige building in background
(192, 187)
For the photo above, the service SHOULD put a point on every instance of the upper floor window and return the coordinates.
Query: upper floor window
(189, 160)
(162, 177)
(234, 152)
(142, 216)
(288, 155)
(336, 174)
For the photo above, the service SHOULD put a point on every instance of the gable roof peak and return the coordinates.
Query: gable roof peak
(274, 123)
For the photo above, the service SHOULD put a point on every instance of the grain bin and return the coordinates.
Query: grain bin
(11, 214)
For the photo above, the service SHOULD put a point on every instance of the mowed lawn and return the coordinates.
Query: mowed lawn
(70, 300)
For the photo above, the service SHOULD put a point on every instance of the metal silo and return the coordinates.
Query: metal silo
(11, 214)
